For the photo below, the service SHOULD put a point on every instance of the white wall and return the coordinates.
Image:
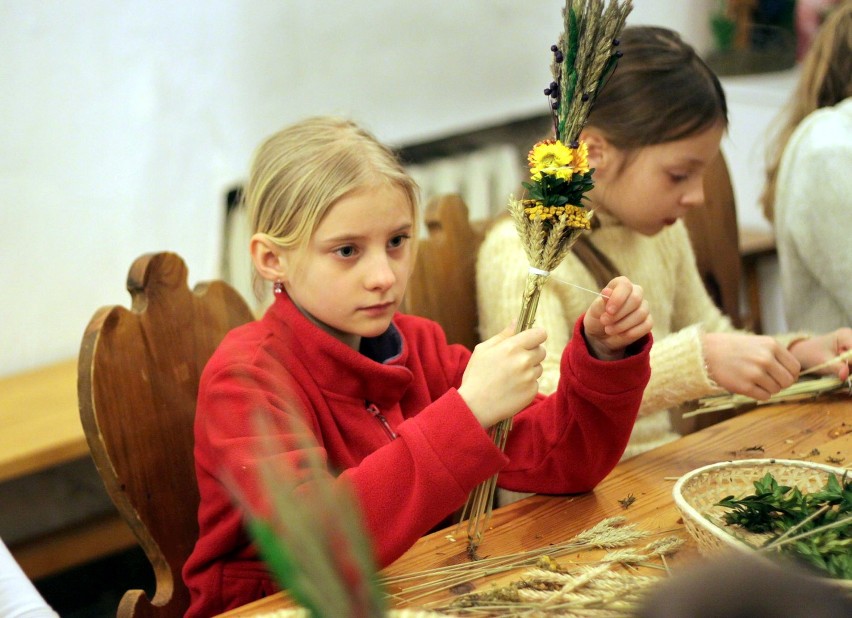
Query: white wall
(125, 120)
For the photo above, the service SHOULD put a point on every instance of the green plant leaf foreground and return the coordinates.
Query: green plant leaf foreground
(814, 528)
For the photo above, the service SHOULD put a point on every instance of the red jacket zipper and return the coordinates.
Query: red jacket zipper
(377, 414)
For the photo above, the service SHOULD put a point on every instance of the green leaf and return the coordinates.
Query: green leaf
(776, 508)
(281, 564)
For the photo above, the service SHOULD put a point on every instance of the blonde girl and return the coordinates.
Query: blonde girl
(399, 415)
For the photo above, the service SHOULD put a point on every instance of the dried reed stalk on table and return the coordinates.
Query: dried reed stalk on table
(803, 389)
(551, 216)
(611, 582)
(537, 584)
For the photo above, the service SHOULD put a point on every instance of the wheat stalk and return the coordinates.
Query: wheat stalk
(613, 534)
(310, 533)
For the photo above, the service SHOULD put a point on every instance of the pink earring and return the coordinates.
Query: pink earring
(278, 287)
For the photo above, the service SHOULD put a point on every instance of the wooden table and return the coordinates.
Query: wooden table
(41, 429)
(811, 431)
(41, 424)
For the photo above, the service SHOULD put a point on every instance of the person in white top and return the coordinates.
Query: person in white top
(18, 596)
(808, 192)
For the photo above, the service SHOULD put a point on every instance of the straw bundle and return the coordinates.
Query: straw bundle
(551, 217)
(565, 578)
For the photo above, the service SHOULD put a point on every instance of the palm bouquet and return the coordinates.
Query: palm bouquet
(552, 216)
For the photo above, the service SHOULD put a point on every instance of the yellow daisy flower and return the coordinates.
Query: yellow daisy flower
(551, 158)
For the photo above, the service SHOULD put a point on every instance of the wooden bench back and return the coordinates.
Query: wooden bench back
(138, 375)
(443, 284)
(714, 234)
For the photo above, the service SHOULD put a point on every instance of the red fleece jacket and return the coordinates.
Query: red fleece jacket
(283, 364)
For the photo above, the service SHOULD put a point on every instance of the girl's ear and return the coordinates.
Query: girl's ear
(268, 258)
(599, 148)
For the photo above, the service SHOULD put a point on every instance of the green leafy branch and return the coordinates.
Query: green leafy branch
(813, 527)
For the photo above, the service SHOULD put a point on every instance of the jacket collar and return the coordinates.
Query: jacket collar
(337, 368)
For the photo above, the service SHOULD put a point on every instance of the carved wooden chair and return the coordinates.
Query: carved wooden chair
(714, 235)
(443, 284)
(138, 374)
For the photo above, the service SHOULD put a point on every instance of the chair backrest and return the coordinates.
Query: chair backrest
(714, 235)
(138, 374)
(443, 284)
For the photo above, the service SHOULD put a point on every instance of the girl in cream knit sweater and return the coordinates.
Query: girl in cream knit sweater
(657, 124)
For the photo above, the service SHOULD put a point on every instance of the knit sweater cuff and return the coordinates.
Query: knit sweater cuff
(678, 371)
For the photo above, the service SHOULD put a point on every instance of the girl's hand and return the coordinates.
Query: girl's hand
(818, 350)
(501, 378)
(752, 365)
(611, 324)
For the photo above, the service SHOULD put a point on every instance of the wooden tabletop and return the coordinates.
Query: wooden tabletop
(40, 420)
(814, 431)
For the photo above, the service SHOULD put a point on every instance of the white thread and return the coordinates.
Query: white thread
(579, 287)
(545, 273)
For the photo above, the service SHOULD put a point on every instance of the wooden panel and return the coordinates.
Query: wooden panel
(73, 547)
(443, 284)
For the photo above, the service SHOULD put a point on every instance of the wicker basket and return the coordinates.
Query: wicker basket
(696, 494)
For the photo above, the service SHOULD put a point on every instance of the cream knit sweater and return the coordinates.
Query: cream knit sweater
(664, 265)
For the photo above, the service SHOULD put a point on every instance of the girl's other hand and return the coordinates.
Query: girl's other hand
(821, 349)
(501, 378)
(752, 365)
(613, 323)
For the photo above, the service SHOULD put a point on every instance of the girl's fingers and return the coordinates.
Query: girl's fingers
(634, 318)
(498, 338)
(531, 338)
(621, 305)
(790, 363)
(598, 308)
(759, 392)
(779, 376)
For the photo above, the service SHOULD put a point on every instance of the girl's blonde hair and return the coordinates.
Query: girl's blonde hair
(826, 80)
(299, 173)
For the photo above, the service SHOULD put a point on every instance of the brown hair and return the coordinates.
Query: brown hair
(661, 91)
(299, 173)
(826, 80)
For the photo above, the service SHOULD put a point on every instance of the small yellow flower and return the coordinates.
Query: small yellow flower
(574, 216)
(581, 159)
(551, 158)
